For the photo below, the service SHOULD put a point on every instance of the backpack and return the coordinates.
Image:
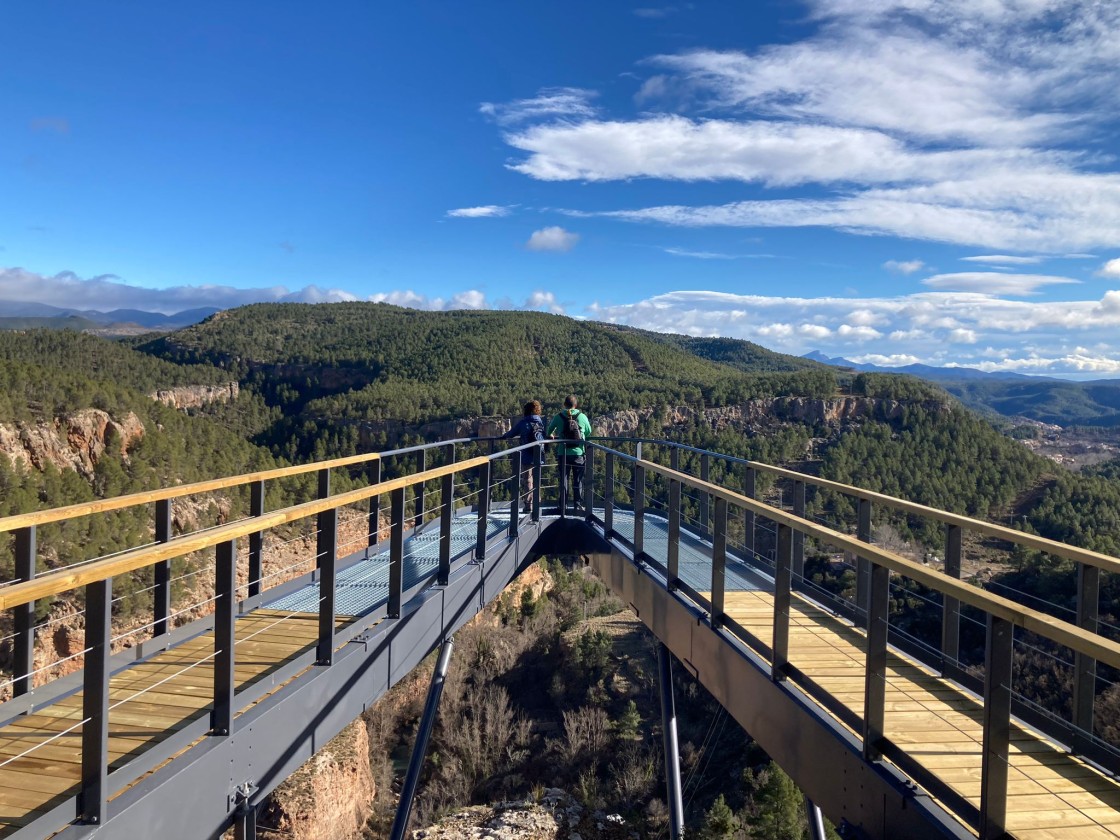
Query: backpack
(571, 429)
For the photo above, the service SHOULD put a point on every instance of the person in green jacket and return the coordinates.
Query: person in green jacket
(571, 424)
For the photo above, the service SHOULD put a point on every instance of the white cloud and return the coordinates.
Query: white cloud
(904, 266)
(470, 299)
(1002, 259)
(699, 255)
(553, 238)
(893, 360)
(1110, 269)
(486, 211)
(952, 121)
(543, 301)
(930, 327)
(992, 283)
(549, 103)
(107, 292)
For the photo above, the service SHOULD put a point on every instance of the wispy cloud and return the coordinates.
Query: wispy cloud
(553, 238)
(700, 255)
(486, 211)
(960, 122)
(549, 104)
(904, 266)
(992, 283)
(1002, 259)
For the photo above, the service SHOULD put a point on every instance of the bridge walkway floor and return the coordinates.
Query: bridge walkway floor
(1052, 794)
(153, 698)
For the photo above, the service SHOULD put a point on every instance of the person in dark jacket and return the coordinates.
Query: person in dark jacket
(529, 429)
(572, 426)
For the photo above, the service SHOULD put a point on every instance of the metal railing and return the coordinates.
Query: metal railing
(874, 569)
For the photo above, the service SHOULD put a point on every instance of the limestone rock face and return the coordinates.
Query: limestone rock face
(76, 441)
(329, 797)
(192, 396)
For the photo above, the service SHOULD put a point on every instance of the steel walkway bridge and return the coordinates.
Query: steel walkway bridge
(895, 694)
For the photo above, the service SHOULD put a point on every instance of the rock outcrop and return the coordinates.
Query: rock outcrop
(330, 796)
(193, 396)
(76, 441)
(557, 816)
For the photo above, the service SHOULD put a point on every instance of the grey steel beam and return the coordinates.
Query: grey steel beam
(225, 639)
(589, 483)
(161, 572)
(23, 616)
(515, 494)
(608, 495)
(638, 497)
(950, 606)
(94, 795)
(374, 504)
(863, 565)
(482, 506)
(418, 490)
(1085, 667)
(783, 582)
(323, 492)
(396, 552)
(997, 728)
(798, 536)
(875, 683)
(749, 518)
(446, 514)
(673, 548)
(719, 562)
(423, 735)
(816, 821)
(326, 547)
(705, 499)
(673, 788)
(256, 539)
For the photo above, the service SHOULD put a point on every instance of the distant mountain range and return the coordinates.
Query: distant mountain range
(24, 316)
(1042, 398)
(936, 374)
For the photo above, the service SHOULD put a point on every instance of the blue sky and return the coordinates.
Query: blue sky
(909, 180)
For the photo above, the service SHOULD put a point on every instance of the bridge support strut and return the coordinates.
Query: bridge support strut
(672, 753)
(427, 721)
(816, 820)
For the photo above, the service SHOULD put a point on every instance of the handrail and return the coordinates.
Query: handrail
(43, 517)
(1055, 629)
(63, 580)
(1069, 552)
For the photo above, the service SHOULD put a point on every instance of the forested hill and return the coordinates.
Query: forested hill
(381, 361)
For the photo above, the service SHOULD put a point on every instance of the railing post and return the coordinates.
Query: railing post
(749, 516)
(327, 551)
(374, 505)
(719, 562)
(608, 494)
(23, 616)
(639, 498)
(562, 486)
(537, 464)
(875, 683)
(418, 497)
(95, 702)
(673, 549)
(483, 508)
(396, 552)
(675, 459)
(997, 728)
(515, 493)
(783, 582)
(863, 565)
(1084, 666)
(225, 612)
(446, 514)
(705, 501)
(161, 572)
(799, 536)
(256, 539)
(951, 607)
(324, 492)
(588, 482)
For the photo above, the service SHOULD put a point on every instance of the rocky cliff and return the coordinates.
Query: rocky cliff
(76, 441)
(193, 396)
(747, 416)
